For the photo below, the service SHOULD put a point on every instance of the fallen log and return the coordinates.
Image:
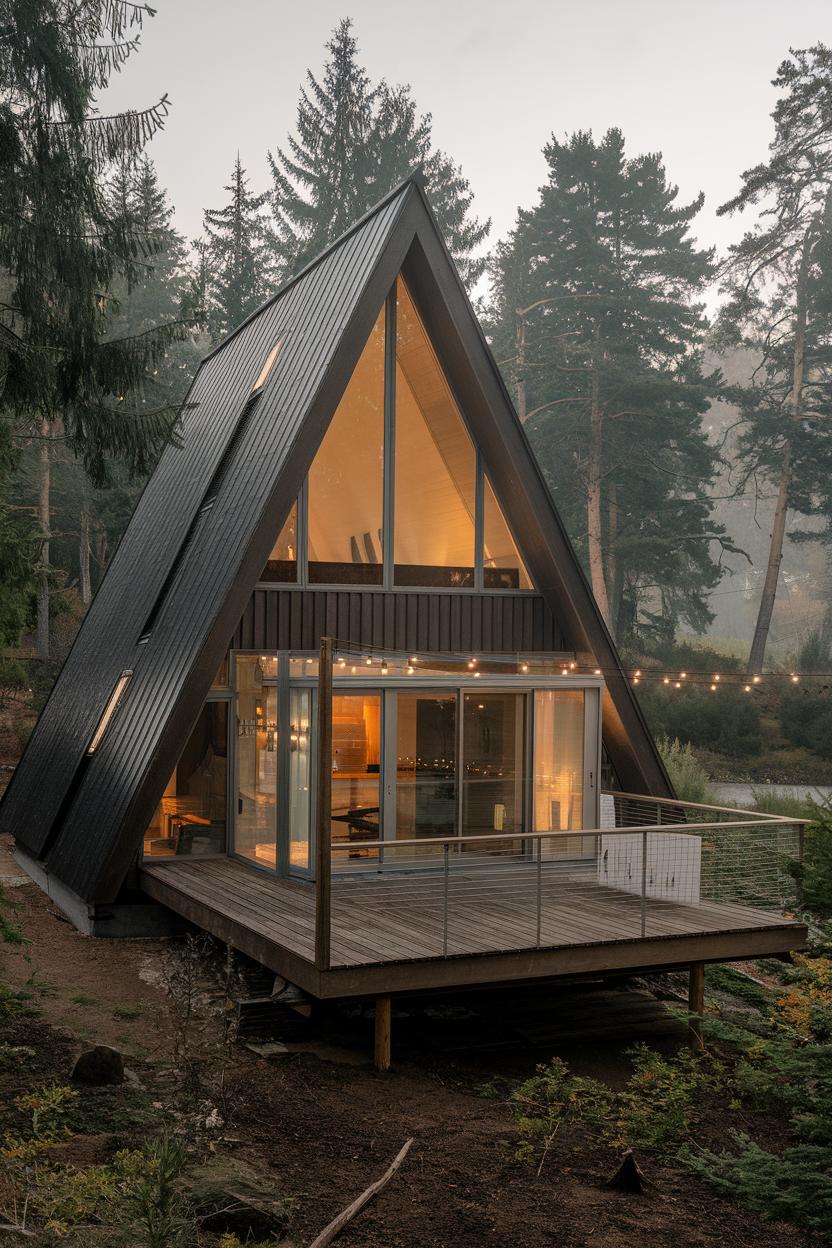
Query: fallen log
(346, 1215)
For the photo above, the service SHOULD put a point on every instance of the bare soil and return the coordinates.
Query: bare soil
(323, 1124)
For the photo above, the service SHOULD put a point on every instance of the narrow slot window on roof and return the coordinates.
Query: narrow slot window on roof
(263, 375)
(110, 710)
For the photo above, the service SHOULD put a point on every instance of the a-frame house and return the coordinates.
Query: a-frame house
(351, 468)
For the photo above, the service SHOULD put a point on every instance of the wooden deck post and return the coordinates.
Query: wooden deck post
(383, 1029)
(696, 1003)
(323, 822)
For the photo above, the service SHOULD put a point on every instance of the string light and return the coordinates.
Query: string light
(756, 680)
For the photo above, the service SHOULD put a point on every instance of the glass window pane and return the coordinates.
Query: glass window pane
(255, 820)
(283, 561)
(190, 818)
(502, 566)
(559, 765)
(435, 465)
(492, 766)
(426, 795)
(356, 771)
(300, 776)
(346, 480)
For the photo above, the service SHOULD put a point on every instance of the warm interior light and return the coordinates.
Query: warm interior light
(795, 679)
(110, 709)
(756, 680)
(263, 375)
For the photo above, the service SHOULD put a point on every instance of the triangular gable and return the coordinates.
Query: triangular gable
(190, 570)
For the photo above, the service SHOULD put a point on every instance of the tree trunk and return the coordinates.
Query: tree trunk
(84, 557)
(593, 492)
(42, 628)
(520, 365)
(612, 579)
(778, 528)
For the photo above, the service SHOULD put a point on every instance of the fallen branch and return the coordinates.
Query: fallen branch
(346, 1215)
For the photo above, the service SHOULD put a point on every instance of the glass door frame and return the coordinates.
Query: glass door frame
(285, 681)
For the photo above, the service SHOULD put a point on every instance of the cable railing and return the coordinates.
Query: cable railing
(690, 869)
(655, 867)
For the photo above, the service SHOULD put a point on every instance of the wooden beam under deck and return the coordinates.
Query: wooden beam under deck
(389, 948)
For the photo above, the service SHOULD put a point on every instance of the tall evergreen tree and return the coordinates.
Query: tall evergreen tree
(596, 320)
(779, 287)
(355, 141)
(62, 249)
(240, 261)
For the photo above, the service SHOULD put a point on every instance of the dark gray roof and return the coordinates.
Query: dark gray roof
(188, 571)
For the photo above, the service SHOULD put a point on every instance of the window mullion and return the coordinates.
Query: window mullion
(479, 525)
(389, 438)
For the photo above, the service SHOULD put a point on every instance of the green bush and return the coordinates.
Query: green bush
(727, 721)
(806, 717)
(687, 775)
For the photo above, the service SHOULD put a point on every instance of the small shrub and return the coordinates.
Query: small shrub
(687, 775)
(127, 1011)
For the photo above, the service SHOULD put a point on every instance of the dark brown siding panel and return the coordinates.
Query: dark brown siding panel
(296, 619)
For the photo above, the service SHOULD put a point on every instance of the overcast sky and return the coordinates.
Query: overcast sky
(689, 78)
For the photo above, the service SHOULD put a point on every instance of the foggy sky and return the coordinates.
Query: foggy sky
(689, 78)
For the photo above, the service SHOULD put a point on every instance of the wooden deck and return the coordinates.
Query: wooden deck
(388, 931)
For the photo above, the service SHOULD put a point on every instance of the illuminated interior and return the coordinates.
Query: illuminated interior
(436, 465)
(282, 564)
(559, 764)
(191, 816)
(434, 487)
(356, 768)
(255, 822)
(453, 760)
(346, 480)
(502, 566)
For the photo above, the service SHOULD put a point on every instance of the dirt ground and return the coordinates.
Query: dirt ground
(323, 1124)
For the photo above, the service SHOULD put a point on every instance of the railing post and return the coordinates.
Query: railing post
(644, 883)
(539, 890)
(323, 873)
(445, 854)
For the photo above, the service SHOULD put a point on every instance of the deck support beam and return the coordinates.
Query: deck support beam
(696, 1003)
(383, 1029)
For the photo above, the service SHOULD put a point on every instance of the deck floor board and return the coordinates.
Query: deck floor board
(380, 918)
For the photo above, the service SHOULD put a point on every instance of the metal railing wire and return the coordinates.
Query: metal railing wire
(666, 867)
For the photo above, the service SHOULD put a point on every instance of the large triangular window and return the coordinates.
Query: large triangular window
(397, 494)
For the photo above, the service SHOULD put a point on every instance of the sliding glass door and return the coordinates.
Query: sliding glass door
(426, 752)
(493, 765)
(256, 751)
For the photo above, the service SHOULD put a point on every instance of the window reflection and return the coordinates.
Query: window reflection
(492, 765)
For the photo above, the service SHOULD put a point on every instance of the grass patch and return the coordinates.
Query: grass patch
(83, 1000)
(127, 1011)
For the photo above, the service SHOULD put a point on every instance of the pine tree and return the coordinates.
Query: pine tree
(596, 322)
(355, 141)
(779, 287)
(62, 249)
(240, 263)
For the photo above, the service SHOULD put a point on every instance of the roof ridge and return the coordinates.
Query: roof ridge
(415, 178)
